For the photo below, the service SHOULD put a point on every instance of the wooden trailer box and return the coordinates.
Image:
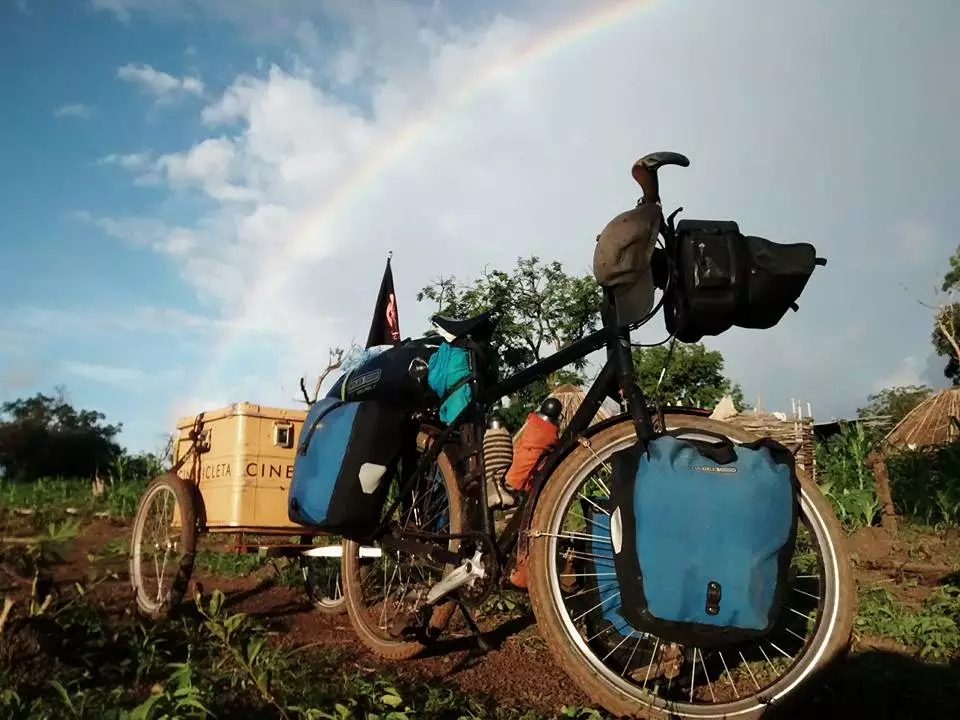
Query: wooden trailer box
(244, 466)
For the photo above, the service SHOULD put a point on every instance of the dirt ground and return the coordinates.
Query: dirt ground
(878, 680)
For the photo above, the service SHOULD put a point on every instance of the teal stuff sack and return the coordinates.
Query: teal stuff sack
(449, 377)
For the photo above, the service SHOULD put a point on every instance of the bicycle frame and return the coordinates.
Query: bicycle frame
(615, 380)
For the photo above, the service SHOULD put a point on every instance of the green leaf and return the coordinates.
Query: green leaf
(234, 621)
(391, 699)
(143, 710)
(64, 695)
(253, 649)
(216, 602)
(194, 703)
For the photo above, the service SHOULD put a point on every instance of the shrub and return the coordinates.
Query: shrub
(926, 484)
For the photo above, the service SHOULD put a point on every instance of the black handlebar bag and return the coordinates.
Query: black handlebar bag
(723, 278)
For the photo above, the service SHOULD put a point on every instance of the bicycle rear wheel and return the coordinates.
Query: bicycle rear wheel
(384, 588)
(321, 575)
(624, 670)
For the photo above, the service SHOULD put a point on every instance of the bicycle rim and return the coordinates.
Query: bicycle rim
(635, 668)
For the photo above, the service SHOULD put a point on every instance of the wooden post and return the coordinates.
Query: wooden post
(888, 515)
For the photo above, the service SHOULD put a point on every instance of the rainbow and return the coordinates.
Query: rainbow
(273, 274)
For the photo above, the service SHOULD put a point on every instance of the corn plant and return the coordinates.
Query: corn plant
(845, 478)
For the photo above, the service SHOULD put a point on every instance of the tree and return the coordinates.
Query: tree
(946, 325)
(542, 309)
(46, 436)
(694, 376)
(893, 404)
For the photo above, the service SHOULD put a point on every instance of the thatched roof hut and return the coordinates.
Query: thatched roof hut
(935, 421)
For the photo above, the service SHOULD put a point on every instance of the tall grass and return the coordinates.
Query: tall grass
(53, 497)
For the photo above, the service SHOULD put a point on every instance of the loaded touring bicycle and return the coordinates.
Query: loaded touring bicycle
(675, 564)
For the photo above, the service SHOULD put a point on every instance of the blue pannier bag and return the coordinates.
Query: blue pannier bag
(345, 458)
(593, 593)
(600, 570)
(703, 534)
(449, 376)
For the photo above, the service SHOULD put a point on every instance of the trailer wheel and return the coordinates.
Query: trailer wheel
(163, 545)
(321, 578)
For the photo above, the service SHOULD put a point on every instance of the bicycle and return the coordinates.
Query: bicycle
(438, 516)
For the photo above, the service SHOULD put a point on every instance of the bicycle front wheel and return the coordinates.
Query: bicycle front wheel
(575, 597)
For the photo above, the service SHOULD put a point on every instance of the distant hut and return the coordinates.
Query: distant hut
(935, 421)
(794, 432)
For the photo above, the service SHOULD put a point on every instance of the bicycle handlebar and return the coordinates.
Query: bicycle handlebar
(645, 172)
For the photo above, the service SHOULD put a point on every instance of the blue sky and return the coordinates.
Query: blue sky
(158, 158)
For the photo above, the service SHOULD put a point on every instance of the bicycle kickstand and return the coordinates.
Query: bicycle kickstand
(482, 644)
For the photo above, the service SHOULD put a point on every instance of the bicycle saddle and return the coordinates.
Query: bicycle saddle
(481, 324)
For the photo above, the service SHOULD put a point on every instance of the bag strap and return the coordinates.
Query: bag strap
(456, 386)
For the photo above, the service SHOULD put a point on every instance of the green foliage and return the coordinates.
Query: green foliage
(934, 629)
(504, 601)
(542, 309)
(951, 279)
(946, 323)
(947, 320)
(694, 376)
(46, 436)
(893, 403)
(216, 663)
(845, 479)
(925, 484)
(50, 498)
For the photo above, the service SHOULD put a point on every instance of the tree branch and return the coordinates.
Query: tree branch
(947, 334)
(336, 360)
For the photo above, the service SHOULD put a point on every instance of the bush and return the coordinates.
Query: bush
(926, 484)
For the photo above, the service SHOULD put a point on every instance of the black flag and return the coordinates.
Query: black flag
(385, 328)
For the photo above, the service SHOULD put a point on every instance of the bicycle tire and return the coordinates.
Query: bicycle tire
(603, 687)
(352, 570)
(157, 607)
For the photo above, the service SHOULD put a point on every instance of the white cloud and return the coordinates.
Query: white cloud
(128, 161)
(909, 371)
(134, 230)
(162, 86)
(119, 8)
(78, 110)
(210, 165)
(106, 374)
(28, 320)
(460, 145)
(291, 147)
